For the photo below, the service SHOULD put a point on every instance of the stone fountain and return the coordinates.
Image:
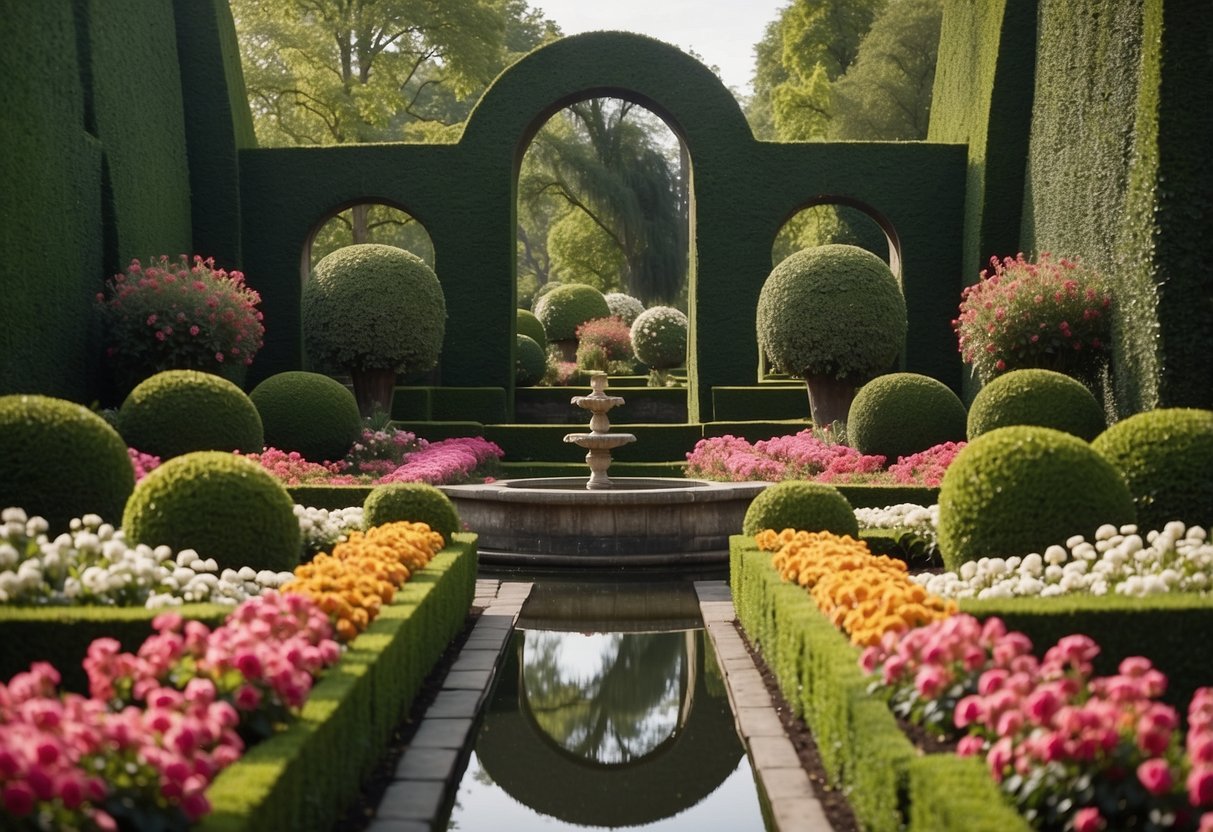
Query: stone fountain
(599, 522)
(599, 442)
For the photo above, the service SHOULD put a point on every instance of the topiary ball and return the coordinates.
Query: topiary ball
(803, 506)
(659, 337)
(309, 413)
(540, 294)
(179, 411)
(624, 307)
(1036, 397)
(1021, 489)
(530, 362)
(415, 502)
(1166, 457)
(220, 505)
(373, 307)
(900, 414)
(567, 307)
(531, 327)
(59, 460)
(833, 310)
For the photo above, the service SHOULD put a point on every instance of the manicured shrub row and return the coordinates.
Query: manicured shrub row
(290, 781)
(862, 747)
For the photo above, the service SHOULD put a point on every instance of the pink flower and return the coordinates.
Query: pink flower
(1155, 775)
(1200, 786)
(1088, 819)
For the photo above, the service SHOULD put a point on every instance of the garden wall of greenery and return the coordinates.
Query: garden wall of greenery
(115, 149)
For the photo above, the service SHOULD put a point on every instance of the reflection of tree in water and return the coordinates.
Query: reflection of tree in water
(612, 707)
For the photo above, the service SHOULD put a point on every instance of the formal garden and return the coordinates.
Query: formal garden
(962, 369)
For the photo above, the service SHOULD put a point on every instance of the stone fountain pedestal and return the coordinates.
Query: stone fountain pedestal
(599, 442)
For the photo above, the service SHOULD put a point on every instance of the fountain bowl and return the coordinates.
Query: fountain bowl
(639, 521)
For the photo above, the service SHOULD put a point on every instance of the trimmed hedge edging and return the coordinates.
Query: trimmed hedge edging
(304, 777)
(861, 746)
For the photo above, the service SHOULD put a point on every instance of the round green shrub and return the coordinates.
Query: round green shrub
(178, 411)
(60, 460)
(624, 307)
(1044, 398)
(1021, 489)
(415, 502)
(530, 362)
(371, 306)
(833, 310)
(540, 293)
(900, 414)
(659, 337)
(309, 413)
(567, 307)
(220, 505)
(531, 327)
(1166, 457)
(803, 506)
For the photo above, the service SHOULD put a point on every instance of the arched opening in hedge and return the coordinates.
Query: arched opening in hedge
(366, 222)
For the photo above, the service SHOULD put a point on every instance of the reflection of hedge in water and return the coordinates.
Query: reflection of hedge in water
(680, 773)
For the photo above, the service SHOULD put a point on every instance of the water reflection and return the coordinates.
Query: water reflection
(627, 726)
(607, 697)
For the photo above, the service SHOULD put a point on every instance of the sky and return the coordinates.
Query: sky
(721, 32)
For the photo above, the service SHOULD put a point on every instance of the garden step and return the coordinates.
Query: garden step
(645, 405)
(762, 401)
(530, 443)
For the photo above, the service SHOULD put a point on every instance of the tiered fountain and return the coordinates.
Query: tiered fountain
(603, 522)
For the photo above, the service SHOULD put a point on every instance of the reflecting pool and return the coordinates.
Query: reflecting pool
(609, 711)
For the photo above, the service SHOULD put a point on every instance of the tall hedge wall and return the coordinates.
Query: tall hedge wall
(95, 168)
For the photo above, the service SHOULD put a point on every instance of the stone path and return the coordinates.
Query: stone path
(438, 752)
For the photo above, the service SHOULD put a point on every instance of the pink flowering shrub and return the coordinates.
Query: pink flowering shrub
(292, 469)
(450, 461)
(182, 314)
(379, 452)
(1072, 750)
(143, 463)
(804, 456)
(262, 660)
(1048, 315)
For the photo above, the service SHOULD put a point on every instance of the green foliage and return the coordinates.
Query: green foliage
(415, 502)
(820, 225)
(624, 307)
(583, 252)
(886, 93)
(220, 505)
(1036, 397)
(899, 414)
(309, 413)
(528, 325)
(1166, 457)
(531, 361)
(567, 307)
(833, 310)
(659, 337)
(179, 411)
(1018, 490)
(373, 307)
(59, 460)
(804, 506)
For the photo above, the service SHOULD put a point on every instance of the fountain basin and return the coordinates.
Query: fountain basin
(639, 521)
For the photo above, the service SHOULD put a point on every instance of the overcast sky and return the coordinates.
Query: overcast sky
(722, 32)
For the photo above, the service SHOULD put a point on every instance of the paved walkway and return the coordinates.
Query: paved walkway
(438, 752)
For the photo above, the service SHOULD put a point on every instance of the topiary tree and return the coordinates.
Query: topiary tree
(800, 505)
(1036, 397)
(567, 307)
(899, 414)
(373, 311)
(309, 413)
(415, 502)
(530, 362)
(220, 505)
(659, 337)
(531, 327)
(834, 315)
(179, 411)
(59, 460)
(624, 307)
(1166, 457)
(1018, 490)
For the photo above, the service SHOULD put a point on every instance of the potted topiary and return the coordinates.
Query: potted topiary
(567, 307)
(834, 315)
(373, 311)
